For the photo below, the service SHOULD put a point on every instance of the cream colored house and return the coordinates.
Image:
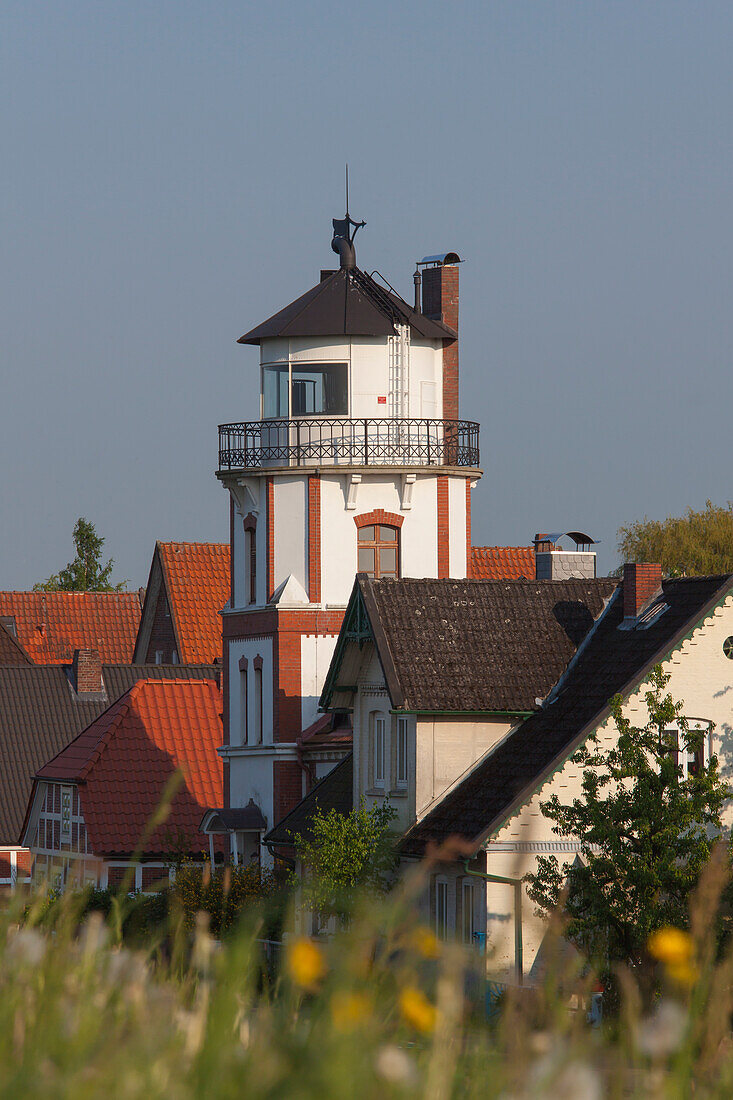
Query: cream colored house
(686, 625)
(469, 698)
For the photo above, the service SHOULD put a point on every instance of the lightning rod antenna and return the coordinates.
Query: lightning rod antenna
(347, 190)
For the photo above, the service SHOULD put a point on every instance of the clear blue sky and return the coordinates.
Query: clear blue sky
(170, 170)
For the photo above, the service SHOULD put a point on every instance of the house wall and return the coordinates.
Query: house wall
(162, 636)
(702, 677)
(446, 747)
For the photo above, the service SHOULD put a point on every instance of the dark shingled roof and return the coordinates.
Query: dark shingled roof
(474, 645)
(347, 303)
(333, 792)
(613, 661)
(40, 713)
(11, 651)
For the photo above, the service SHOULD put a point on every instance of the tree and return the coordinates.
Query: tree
(345, 854)
(86, 572)
(695, 544)
(645, 833)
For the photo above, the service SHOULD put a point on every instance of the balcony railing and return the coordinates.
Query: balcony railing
(340, 442)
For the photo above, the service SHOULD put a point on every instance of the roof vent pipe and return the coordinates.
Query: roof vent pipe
(345, 251)
(343, 240)
(417, 280)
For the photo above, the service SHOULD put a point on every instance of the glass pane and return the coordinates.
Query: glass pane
(275, 391)
(366, 534)
(320, 390)
(365, 560)
(388, 534)
(387, 559)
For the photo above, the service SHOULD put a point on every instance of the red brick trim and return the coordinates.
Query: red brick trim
(368, 519)
(270, 486)
(314, 539)
(250, 522)
(257, 662)
(443, 528)
(287, 786)
(242, 664)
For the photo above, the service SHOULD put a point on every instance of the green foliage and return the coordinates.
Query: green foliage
(86, 572)
(696, 544)
(645, 834)
(346, 853)
(225, 894)
(380, 1011)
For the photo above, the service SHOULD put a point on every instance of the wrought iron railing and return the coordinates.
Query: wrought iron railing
(340, 442)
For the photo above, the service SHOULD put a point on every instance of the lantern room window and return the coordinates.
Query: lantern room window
(378, 552)
(304, 389)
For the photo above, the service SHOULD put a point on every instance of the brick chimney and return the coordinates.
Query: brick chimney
(87, 672)
(641, 582)
(440, 303)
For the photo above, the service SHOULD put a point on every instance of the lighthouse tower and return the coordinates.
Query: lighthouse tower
(358, 462)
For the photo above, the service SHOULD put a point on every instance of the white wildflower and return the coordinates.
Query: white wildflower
(395, 1066)
(661, 1034)
(27, 947)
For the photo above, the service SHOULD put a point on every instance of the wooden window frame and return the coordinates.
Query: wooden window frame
(377, 544)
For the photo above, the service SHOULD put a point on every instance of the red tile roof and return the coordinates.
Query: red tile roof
(124, 759)
(502, 563)
(197, 581)
(51, 625)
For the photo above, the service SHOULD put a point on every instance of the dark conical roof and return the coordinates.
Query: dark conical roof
(347, 303)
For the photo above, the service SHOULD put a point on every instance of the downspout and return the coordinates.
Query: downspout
(517, 884)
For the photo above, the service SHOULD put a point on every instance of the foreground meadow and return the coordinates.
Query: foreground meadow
(379, 1010)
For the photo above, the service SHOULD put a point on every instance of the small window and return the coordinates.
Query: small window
(174, 657)
(159, 656)
(166, 607)
(258, 705)
(66, 796)
(378, 552)
(690, 751)
(252, 565)
(312, 389)
(401, 761)
(379, 747)
(728, 648)
(467, 914)
(243, 701)
(441, 908)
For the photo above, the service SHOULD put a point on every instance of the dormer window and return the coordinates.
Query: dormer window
(305, 389)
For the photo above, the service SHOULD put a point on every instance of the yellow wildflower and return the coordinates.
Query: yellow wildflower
(425, 942)
(305, 962)
(682, 973)
(348, 1010)
(416, 1009)
(671, 946)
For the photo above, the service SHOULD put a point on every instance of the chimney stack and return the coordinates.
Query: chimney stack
(87, 672)
(552, 563)
(440, 303)
(641, 582)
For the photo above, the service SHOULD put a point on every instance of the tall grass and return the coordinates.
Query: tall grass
(380, 1010)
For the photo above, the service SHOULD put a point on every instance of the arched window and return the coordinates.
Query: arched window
(379, 551)
(250, 537)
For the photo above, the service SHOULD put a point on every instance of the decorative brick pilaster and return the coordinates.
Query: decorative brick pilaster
(443, 527)
(314, 539)
(287, 701)
(287, 787)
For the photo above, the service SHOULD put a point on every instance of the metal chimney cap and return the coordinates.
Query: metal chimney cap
(440, 259)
